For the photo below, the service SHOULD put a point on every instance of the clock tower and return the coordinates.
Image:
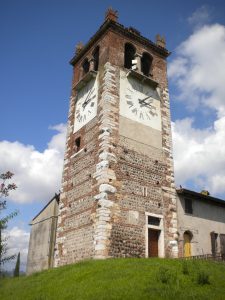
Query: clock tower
(118, 196)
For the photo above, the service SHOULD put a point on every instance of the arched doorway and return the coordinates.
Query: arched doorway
(187, 243)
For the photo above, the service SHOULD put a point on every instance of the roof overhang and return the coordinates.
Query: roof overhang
(199, 196)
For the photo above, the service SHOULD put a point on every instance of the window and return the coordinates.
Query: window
(188, 206)
(153, 221)
(214, 243)
(77, 144)
(146, 62)
(86, 66)
(129, 53)
(96, 58)
(145, 191)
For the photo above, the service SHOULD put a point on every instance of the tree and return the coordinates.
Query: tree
(5, 187)
(17, 267)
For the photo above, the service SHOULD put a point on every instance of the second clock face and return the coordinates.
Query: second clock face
(86, 104)
(140, 102)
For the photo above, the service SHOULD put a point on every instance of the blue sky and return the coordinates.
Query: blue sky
(37, 41)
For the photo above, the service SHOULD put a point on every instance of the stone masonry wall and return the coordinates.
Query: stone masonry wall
(75, 223)
(102, 205)
(135, 171)
(141, 166)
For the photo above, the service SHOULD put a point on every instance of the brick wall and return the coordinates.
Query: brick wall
(102, 206)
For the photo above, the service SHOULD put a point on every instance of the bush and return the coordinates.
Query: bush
(203, 277)
(164, 275)
(185, 269)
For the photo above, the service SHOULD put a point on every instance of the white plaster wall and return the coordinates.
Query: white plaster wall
(140, 133)
(42, 239)
(206, 217)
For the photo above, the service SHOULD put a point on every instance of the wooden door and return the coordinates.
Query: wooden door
(187, 244)
(153, 238)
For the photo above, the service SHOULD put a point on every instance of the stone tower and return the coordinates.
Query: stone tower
(118, 197)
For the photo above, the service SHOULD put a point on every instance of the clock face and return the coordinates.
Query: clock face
(140, 102)
(86, 104)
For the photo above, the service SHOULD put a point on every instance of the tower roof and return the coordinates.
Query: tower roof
(130, 32)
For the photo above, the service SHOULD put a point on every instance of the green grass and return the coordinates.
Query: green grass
(121, 279)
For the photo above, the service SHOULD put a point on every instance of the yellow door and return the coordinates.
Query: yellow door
(187, 245)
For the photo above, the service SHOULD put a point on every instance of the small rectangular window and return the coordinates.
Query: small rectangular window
(145, 191)
(77, 144)
(188, 206)
(153, 221)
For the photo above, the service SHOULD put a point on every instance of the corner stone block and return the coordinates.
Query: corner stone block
(107, 156)
(105, 203)
(107, 188)
(101, 196)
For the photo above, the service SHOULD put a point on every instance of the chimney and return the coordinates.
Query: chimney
(204, 192)
(160, 41)
(111, 14)
(78, 48)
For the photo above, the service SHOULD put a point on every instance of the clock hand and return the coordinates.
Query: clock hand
(87, 100)
(86, 103)
(146, 104)
(143, 100)
(147, 97)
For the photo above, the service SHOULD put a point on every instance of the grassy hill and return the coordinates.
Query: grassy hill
(121, 279)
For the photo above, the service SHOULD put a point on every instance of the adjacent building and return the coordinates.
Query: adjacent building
(201, 224)
(42, 237)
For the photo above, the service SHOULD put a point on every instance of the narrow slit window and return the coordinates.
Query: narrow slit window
(96, 58)
(77, 144)
(145, 191)
(129, 54)
(86, 66)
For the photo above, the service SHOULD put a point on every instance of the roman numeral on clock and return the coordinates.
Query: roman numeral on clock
(148, 116)
(130, 103)
(134, 111)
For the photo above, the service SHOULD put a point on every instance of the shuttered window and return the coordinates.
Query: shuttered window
(188, 206)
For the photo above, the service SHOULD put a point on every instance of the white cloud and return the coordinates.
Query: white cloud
(200, 17)
(198, 74)
(198, 71)
(37, 174)
(18, 240)
(200, 155)
(58, 140)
